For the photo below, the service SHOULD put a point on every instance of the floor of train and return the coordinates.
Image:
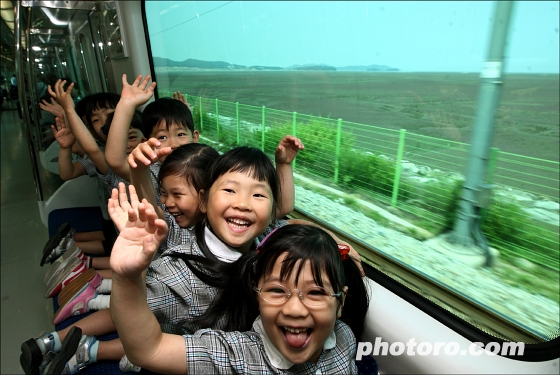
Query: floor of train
(25, 312)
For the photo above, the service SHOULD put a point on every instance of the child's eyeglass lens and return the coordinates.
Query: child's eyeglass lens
(278, 294)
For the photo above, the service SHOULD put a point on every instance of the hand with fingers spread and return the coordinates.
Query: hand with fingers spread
(62, 133)
(119, 206)
(180, 97)
(63, 97)
(53, 108)
(139, 92)
(288, 149)
(147, 153)
(137, 242)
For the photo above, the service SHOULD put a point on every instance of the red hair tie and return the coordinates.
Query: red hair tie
(343, 250)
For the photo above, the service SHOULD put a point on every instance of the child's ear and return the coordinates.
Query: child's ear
(341, 305)
(195, 136)
(201, 205)
(144, 139)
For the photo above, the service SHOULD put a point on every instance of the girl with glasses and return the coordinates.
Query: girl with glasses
(300, 301)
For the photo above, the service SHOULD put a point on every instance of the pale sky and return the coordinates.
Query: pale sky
(431, 36)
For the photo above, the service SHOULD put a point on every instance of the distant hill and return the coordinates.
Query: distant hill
(200, 64)
(261, 67)
(370, 68)
(311, 67)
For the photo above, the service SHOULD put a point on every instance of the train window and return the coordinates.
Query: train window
(384, 96)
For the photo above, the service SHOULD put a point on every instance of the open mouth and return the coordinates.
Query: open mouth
(177, 215)
(238, 224)
(296, 337)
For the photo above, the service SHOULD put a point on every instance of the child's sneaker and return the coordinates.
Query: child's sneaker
(63, 278)
(78, 304)
(49, 251)
(71, 290)
(126, 366)
(62, 262)
(33, 360)
(72, 358)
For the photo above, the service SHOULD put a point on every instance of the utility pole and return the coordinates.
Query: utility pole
(475, 193)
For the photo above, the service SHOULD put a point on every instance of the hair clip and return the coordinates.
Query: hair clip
(343, 250)
(259, 247)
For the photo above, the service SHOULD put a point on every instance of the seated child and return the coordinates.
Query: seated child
(299, 334)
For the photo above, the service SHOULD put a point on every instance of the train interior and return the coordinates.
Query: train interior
(35, 201)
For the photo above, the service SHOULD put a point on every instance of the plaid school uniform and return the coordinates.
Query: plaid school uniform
(218, 352)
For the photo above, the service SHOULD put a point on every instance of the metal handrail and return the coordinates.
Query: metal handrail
(23, 102)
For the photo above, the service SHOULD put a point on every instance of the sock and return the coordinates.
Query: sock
(86, 259)
(57, 343)
(105, 286)
(70, 242)
(100, 302)
(93, 352)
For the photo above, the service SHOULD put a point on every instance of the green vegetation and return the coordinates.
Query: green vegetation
(431, 205)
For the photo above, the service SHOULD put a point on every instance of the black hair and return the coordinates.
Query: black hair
(190, 161)
(170, 110)
(135, 123)
(81, 106)
(243, 159)
(99, 101)
(237, 307)
(249, 160)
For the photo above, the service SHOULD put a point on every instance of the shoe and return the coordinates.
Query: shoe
(62, 262)
(126, 366)
(77, 304)
(34, 361)
(63, 278)
(54, 241)
(76, 358)
(69, 291)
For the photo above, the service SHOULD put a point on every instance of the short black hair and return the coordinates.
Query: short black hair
(170, 110)
(100, 100)
(135, 123)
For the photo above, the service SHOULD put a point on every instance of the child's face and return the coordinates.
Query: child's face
(135, 137)
(98, 118)
(239, 208)
(181, 200)
(173, 137)
(281, 322)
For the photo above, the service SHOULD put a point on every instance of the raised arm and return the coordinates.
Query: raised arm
(132, 96)
(139, 330)
(53, 108)
(63, 135)
(180, 97)
(139, 161)
(285, 153)
(79, 129)
(118, 205)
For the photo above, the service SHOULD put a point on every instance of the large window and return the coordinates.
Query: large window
(384, 96)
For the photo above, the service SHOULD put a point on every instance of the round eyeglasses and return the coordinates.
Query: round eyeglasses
(277, 294)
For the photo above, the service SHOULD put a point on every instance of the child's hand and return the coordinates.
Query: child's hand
(139, 92)
(62, 133)
(147, 153)
(180, 97)
(63, 97)
(137, 241)
(287, 149)
(119, 205)
(53, 108)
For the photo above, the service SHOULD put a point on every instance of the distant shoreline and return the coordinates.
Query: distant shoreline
(185, 69)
